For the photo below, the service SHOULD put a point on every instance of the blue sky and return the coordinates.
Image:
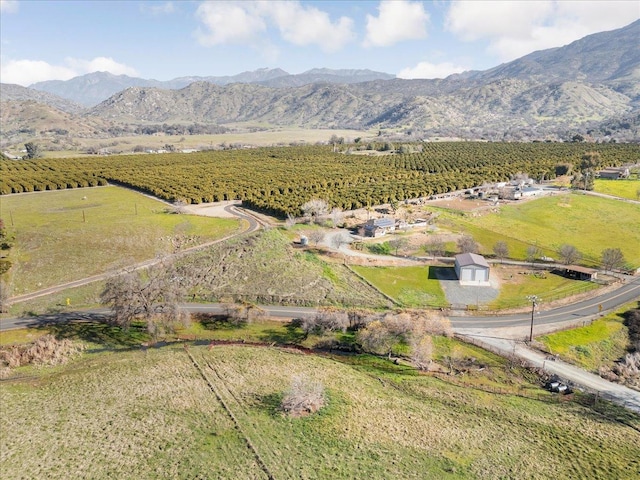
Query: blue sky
(48, 40)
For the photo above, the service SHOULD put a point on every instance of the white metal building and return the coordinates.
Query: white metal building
(472, 269)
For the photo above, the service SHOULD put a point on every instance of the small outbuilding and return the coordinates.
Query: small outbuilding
(580, 273)
(472, 269)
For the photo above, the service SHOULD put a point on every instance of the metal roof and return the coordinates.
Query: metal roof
(467, 259)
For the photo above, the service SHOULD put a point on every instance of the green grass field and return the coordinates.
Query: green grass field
(590, 224)
(620, 188)
(410, 286)
(547, 286)
(592, 346)
(70, 234)
(153, 413)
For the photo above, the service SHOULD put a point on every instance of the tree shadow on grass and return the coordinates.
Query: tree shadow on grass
(291, 335)
(271, 403)
(93, 328)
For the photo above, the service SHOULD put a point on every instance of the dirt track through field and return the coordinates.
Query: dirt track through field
(235, 421)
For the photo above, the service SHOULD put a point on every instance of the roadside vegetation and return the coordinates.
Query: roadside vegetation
(609, 345)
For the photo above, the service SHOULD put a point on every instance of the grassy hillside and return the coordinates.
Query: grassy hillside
(591, 224)
(70, 234)
(154, 413)
(619, 188)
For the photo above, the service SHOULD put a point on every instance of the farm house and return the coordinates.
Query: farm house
(472, 269)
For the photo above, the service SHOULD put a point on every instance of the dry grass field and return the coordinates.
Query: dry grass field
(171, 413)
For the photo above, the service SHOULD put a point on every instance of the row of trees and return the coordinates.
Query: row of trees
(281, 180)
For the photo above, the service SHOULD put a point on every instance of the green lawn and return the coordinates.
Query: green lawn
(620, 188)
(591, 224)
(410, 286)
(592, 346)
(70, 234)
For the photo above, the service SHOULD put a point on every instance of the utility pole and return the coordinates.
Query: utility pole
(534, 299)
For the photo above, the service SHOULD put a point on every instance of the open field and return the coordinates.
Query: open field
(619, 188)
(151, 413)
(518, 282)
(70, 234)
(592, 346)
(262, 138)
(410, 286)
(590, 224)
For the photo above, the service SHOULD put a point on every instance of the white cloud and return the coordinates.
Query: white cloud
(431, 70)
(398, 20)
(229, 22)
(27, 72)
(246, 23)
(302, 25)
(8, 6)
(158, 8)
(516, 28)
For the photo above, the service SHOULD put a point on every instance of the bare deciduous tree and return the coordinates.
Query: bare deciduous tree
(466, 244)
(326, 320)
(243, 313)
(612, 258)
(422, 352)
(316, 236)
(375, 338)
(501, 250)
(397, 243)
(304, 396)
(337, 216)
(435, 247)
(569, 254)
(533, 252)
(340, 239)
(314, 209)
(152, 295)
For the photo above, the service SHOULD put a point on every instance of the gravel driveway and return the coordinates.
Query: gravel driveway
(464, 294)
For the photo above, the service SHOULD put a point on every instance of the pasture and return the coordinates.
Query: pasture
(156, 413)
(65, 235)
(589, 223)
(620, 188)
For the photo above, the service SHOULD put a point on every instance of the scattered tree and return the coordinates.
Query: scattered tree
(33, 151)
(243, 313)
(314, 209)
(612, 259)
(501, 250)
(336, 216)
(375, 338)
(316, 236)
(422, 352)
(466, 244)
(152, 295)
(304, 396)
(569, 254)
(435, 247)
(398, 242)
(340, 239)
(326, 320)
(532, 253)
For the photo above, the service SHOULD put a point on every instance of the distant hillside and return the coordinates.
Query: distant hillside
(93, 88)
(591, 86)
(10, 91)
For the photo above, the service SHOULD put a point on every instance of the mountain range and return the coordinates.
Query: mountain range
(590, 86)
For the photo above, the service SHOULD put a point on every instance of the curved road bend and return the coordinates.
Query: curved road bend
(254, 225)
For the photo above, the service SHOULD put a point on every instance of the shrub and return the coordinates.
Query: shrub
(46, 350)
(304, 397)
